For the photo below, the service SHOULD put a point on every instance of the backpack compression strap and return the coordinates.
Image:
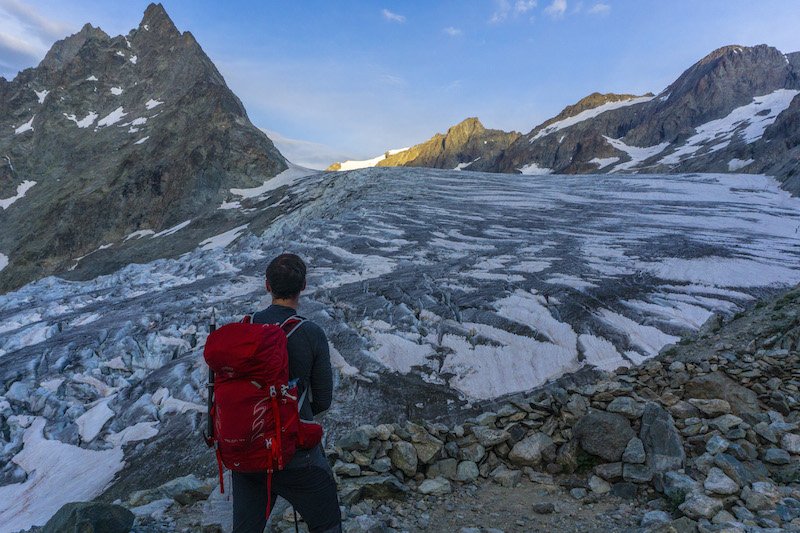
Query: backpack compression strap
(291, 324)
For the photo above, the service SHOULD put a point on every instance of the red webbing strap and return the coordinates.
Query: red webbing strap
(290, 324)
(277, 415)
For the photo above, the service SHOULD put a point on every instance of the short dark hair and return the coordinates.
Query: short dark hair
(286, 275)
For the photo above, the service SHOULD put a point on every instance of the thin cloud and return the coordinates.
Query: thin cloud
(317, 156)
(393, 16)
(452, 31)
(523, 6)
(600, 9)
(44, 28)
(556, 9)
(25, 36)
(502, 9)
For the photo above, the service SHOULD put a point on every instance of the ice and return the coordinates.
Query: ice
(532, 169)
(637, 154)
(354, 165)
(102, 388)
(52, 384)
(570, 281)
(173, 229)
(5, 203)
(223, 239)
(603, 162)
(152, 103)
(398, 353)
(724, 271)
(112, 118)
(85, 122)
(140, 431)
(58, 473)
(143, 139)
(116, 91)
(141, 233)
(339, 362)
(28, 126)
(586, 115)
(92, 421)
(738, 164)
(748, 122)
(286, 178)
(41, 95)
(94, 78)
(648, 338)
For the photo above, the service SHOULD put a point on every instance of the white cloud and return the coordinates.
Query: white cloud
(503, 7)
(452, 31)
(46, 29)
(307, 154)
(556, 9)
(523, 6)
(393, 16)
(26, 35)
(600, 9)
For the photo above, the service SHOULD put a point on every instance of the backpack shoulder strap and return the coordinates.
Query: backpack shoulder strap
(291, 324)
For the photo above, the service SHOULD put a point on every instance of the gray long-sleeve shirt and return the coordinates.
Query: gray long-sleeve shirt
(309, 359)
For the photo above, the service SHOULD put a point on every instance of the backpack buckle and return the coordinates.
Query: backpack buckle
(272, 392)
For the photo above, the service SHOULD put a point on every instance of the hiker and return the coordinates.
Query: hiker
(307, 480)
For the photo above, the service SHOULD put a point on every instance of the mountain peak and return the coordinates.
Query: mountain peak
(468, 126)
(157, 20)
(65, 49)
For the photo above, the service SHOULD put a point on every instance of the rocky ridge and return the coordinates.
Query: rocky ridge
(736, 110)
(704, 437)
(108, 137)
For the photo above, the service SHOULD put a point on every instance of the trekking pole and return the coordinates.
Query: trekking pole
(211, 328)
(296, 527)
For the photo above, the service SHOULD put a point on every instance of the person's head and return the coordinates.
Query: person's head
(286, 277)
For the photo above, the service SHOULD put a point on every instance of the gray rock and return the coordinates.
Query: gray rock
(718, 483)
(603, 434)
(717, 385)
(488, 437)
(506, 477)
(382, 465)
(90, 516)
(609, 471)
(427, 446)
(358, 439)
(543, 508)
(599, 485)
(474, 452)
(347, 469)
(153, 509)
(711, 408)
(185, 490)
(677, 486)
(756, 501)
(528, 452)
(578, 493)
(372, 487)
(655, 517)
(486, 419)
(717, 444)
(725, 423)
(777, 456)
(764, 431)
(741, 473)
(467, 471)
(662, 441)
(447, 468)
(404, 457)
(438, 487)
(791, 443)
(366, 524)
(701, 506)
(624, 490)
(636, 473)
(626, 406)
(634, 452)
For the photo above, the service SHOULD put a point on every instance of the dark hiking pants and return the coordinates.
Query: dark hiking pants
(310, 489)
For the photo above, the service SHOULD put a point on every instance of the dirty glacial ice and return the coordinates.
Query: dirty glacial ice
(438, 289)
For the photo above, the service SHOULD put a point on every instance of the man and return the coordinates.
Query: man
(307, 480)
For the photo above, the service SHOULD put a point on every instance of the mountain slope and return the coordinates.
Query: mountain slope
(134, 133)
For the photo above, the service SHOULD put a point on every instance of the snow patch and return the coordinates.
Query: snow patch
(41, 95)
(112, 118)
(738, 164)
(152, 103)
(143, 139)
(3, 261)
(93, 78)
(92, 421)
(649, 339)
(286, 178)
(223, 239)
(22, 188)
(532, 169)
(367, 163)
(173, 229)
(85, 122)
(603, 162)
(52, 467)
(133, 59)
(636, 153)
(139, 234)
(748, 122)
(724, 271)
(28, 126)
(116, 91)
(140, 431)
(586, 115)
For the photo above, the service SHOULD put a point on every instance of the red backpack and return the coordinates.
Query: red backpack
(254, 407)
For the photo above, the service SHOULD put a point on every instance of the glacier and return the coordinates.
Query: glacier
(438, 289)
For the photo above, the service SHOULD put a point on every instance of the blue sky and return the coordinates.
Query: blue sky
(336, 80)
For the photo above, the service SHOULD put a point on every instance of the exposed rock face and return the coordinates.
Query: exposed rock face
(122, 134)
(463, 146)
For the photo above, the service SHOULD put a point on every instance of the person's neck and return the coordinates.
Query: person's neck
(294, 303)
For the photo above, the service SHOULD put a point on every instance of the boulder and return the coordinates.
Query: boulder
(437, 487)
(603, 434)
(699, 506)
(357, 439)
(185, 490)
(528, 451)
(626, 406)
(467, 471)
(662, 441)
(634, 452)
(428, 447)
(404, 457)
(718, 483)
(488, 437)
(717, 385)
(373, 487)
(711, 408)
(90, 516)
